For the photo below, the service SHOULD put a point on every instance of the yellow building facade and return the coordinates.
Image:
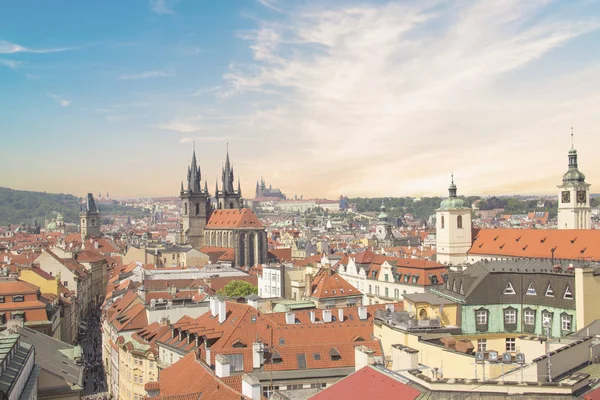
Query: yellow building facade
(137, 366)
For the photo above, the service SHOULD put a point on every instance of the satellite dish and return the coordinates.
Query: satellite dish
(507, 358)
(493, 356)
(479, 357)
(520, 358)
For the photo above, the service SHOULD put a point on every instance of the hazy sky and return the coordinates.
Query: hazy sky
(322, 98)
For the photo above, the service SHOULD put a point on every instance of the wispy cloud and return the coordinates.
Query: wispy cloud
(396, 86)
(12, 48)
(59, 100)
(162, 7)
(148, 74)
(10, 63)
(270, 4)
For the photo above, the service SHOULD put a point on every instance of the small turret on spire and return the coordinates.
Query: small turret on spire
(452, 187)
(181, 186)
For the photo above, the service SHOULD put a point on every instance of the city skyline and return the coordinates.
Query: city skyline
(371, 99)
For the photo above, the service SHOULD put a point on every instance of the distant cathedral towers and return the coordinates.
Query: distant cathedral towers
(574, 211)
(90, 218)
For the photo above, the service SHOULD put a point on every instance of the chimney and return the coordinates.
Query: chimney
(213, 306)
(326, 315)
(251, 387)
(363, 356)
(389, 307)
(222, 366)
(290, 318)
(307, 286)
(341, 314)
(362, 313)
(257, 355)
(222, 311)
(312, 316)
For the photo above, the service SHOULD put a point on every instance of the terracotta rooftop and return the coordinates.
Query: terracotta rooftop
(231, 219)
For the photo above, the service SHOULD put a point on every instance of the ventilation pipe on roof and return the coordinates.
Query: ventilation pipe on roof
(326, 315)
(222, 311)
(290, 318)
(312, 316)
(362, 313)
(341, 314)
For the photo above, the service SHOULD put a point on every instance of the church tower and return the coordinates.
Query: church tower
(90, 218)
(384, 228)
(228, 197)
(195, 207)
(453, 229)
(574, 211)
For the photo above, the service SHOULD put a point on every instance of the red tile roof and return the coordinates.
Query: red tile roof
(568, 244)
(231, 219)
(329, 284)
(368, 383)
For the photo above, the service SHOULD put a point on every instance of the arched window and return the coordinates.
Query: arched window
(231, 205)
(459, 221)
(184, 208)
(442, 222)
(197, 208)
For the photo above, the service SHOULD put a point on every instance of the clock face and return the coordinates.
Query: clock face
(566, 196)
(581, 196)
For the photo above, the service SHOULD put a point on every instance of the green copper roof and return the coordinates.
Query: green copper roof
(452, 203)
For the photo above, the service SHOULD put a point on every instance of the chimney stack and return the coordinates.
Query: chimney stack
(222, 311)
(290, 318)
(213, 306)
(222, 366)
(251, 387)
(362, 313)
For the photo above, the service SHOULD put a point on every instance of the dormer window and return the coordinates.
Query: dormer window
(509, 289)
(461, 291)
(530, 290)
(549, 291)
(454, 286)
(568, 294)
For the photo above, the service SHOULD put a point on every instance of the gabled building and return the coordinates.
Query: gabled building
(328, 289)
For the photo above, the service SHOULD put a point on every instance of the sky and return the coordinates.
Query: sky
(321, 98)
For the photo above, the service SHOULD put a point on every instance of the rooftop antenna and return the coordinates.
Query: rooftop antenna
(452, 176)
(572, 143)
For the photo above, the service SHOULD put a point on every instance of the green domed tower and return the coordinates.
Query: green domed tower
(574, 211)
(453, 229)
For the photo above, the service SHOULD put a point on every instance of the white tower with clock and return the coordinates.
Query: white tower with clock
(574, 211)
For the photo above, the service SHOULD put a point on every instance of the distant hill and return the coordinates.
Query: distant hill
(18, 206)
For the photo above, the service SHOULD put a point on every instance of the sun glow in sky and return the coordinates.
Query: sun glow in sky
(321, 98)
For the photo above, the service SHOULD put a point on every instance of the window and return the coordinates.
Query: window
(18, 298)
(301, 358)
(529, 317)
(281, 341)
(442, 222)
(197, 208)
(481, 317)
(66, 283)
(565, 322)
(481, 344)
(294, 387)
(509, 288)
(253, 319)
(511, 344)
(549, 291)
(406, 278)
(318, 385)
(377, 290)
(510, 316)
(454, 285)
(568, 295)
(387, 294)
(236, 361)
(459, 222)
(461, 291)
(396, 293)
(184, 208)
(1, 299)
(370, 289)
(530, 290)
(385, 276)
(317, 356)
(373, 274)
(415, 278)
(434, 280)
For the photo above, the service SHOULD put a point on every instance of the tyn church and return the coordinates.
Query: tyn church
(229, 226)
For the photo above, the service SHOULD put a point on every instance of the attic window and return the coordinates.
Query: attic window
(281, 341)
(253, 319)
(454, 286)
(568, 294)
(301, 358)
(530, 290)
(509, 289)
(549, 291)
(276, 358)
(317, 356)
(415, 278)
(334, 354)
(461, 291)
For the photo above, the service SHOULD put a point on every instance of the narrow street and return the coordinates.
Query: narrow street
(94, 378)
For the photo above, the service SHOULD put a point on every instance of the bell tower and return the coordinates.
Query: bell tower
(228, 197)
(90, 218)
(574, 211)
(453, 229)
(195, 207)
